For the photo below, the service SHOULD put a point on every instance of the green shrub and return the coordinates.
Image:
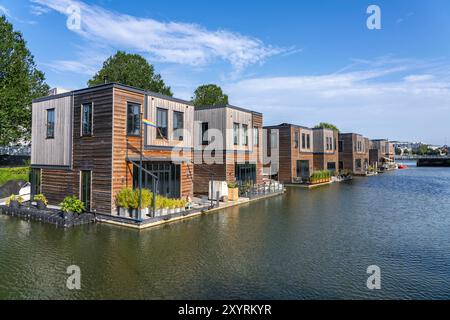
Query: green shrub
(72, 204)
(123, 198)
(41, 197)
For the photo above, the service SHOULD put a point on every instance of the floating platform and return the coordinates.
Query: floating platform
(308, 186)
(49, 216)
(434, 162)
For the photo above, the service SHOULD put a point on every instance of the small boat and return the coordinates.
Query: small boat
(402, 166)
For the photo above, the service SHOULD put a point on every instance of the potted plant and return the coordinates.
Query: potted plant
(233, 191)
(14, 201)
(123, 199)
(41, 201)
(70, 206)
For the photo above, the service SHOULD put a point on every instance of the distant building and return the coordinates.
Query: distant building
(353, 153)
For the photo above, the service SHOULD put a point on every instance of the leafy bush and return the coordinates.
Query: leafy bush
(41, 197)
(123, 198)
(72, 204)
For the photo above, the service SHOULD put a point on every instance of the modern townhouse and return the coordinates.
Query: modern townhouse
(88, 143)
(295, 151)
(228, 146)
(353, 153)
(326, 155)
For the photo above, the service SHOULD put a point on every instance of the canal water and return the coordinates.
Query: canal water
(306, 244)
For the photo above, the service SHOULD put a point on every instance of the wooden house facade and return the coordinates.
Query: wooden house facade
(88, 143)
(353, 153)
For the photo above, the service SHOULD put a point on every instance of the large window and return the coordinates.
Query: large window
(204, 137)
(50, 123)
(178, 125)
(86, 119)
(133, 119)
(245, 134)
(161, 123)
(169, 178)
(236, 134)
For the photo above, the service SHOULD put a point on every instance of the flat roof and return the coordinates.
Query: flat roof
(112, 85)
(228, 106)
(287, 125)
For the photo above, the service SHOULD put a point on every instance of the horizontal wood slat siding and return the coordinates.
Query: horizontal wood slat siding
(57, 184)
(95, 153)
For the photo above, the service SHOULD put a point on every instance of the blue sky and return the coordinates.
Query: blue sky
(296, 61)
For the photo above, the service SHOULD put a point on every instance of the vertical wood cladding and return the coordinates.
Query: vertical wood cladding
(57, 184)
(94, 153)
(322, 156)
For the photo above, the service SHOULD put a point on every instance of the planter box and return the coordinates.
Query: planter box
(41, 205)
(14, 204)
(233, 194)
(123, 212)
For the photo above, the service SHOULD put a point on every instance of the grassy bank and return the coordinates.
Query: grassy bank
(7, 174)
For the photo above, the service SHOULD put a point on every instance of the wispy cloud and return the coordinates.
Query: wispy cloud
(39, 10)
(172, 42)
(363, 101)
(4, 10)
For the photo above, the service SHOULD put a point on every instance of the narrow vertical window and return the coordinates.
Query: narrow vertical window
(296, 140)
(86, 119)
(255, 137)
(236, 134)
(178, 125)
(86, 177)
(133, 119)
(245, 134)
(35, 181)
(303, 141)
(161, 123)
(50, 123)
(308, 141)
(204, 137)
(341, 146)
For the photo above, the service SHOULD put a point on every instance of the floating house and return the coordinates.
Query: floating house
(353, 153)
(228, 146)
(296, 152)
(88, 143)
(382, 153)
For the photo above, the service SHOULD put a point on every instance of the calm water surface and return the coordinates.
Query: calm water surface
(306, 244)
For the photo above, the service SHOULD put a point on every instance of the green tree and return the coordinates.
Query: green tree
(132, 70)
(209, 95)
(20, 83)
(324, 125)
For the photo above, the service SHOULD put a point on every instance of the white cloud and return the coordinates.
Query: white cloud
(414, 107)
(173, 42)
